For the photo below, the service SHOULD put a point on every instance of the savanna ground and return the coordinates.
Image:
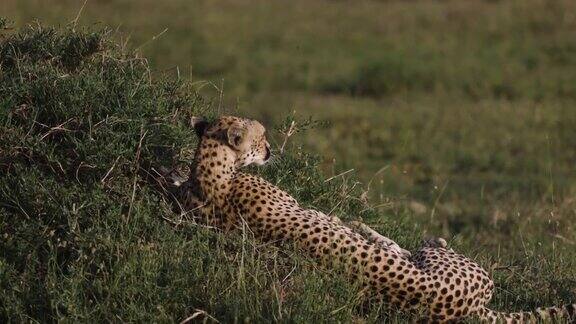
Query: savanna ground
(447, 118)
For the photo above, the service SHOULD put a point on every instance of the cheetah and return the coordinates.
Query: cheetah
(435, 281)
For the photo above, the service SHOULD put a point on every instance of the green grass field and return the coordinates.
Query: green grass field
(424, 118)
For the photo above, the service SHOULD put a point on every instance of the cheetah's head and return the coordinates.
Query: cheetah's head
(245, 137)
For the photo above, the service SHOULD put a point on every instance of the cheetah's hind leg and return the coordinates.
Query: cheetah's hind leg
(378, 238)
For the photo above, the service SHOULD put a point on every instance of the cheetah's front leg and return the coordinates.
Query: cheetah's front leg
(378, 238)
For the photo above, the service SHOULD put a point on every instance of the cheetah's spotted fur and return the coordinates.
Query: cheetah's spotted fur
(443, 284)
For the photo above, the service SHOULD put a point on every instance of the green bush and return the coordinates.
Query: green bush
(83, 235)
(78, 119)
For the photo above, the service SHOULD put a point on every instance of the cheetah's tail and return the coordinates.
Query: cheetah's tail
(565, 313)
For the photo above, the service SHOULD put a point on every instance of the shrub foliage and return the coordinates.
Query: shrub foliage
(83, 236)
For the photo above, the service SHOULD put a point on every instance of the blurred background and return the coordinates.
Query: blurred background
(462, 112)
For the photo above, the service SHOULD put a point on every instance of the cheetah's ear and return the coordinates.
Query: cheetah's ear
(200, 125)
(236, 135)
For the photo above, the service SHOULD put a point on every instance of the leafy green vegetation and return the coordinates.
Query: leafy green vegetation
(443, 118)
(84, 235)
